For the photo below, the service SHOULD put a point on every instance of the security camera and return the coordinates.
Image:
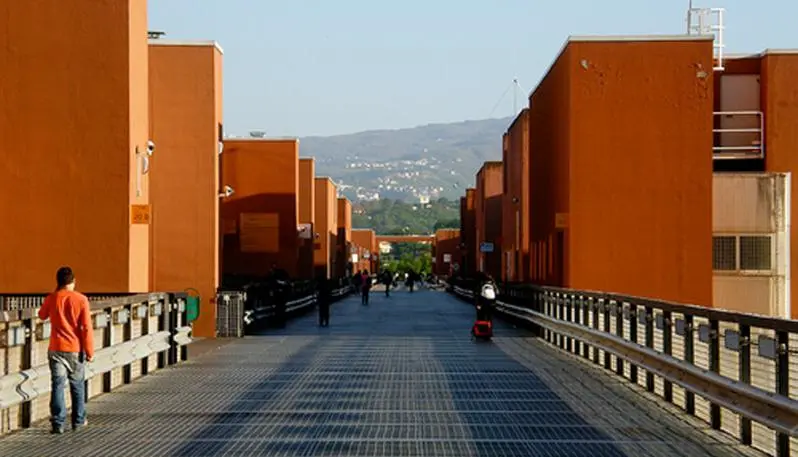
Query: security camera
(150, 147)
(228, 191)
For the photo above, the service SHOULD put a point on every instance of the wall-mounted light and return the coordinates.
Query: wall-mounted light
(156, 309)
(43, 331)
(145, 163)
(100, 320)
(14, 336)
(141, 311)
(121, 317)
(221, 147)
(227, 192)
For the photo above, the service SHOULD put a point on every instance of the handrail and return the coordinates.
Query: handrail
(153, 329)
(775, 411)
(703, 360)
(737, 149)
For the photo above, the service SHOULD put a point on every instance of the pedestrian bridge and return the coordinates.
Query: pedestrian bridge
(399, 377)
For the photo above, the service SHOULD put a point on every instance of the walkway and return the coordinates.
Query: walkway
(397, 378)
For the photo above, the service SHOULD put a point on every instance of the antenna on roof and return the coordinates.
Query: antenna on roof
(708, 21)
(154, 34)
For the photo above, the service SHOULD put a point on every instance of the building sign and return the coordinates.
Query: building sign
(260, 232)
(140, 214)
(447, 258)
(354, 258)
(486, 247)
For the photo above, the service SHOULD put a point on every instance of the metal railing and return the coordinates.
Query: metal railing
(133, 334)
(700, 22)
(262, 304)
(740, 135)
(738, 372)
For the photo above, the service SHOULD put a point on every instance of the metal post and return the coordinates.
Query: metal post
(633, 339)
(745, 377)
(650, 344)
(667, 348)
(619, 331)
(606, 313)
(714, 366)
(689, 357)
(783, 386)
(127, 332)
(26, 409)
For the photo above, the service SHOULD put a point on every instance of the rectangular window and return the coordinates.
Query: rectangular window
(755, 253)
(724, 253)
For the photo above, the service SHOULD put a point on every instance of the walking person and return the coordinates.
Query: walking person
(324, 302)
(365, 288)
(71, 345)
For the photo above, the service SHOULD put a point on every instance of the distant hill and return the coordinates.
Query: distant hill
(436, 160)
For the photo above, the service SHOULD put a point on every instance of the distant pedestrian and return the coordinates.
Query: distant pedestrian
(324, 302)
(71, 345)
(365, 287)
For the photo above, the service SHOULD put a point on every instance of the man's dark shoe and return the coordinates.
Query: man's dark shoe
(56, 430)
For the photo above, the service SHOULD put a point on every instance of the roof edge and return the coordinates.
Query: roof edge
(160, 42)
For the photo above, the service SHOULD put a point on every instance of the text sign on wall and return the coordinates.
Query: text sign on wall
(486, 247)
(447, 258)
(140, 214)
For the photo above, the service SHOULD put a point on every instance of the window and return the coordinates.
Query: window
(724, 253)
(743, 253)
(755, 253)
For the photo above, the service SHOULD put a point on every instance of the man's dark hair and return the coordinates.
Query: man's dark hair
(64, 277)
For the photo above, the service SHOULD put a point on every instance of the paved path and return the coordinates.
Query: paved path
(399, 377)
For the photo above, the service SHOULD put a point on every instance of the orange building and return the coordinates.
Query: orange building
(620, 185)
(344, 238)
(307, 216)
(756, 95)
(468, 227)
(366, 241)
(326, 235)
(448, 256)
(259, 221)
(515, 199)
(74, 122)
(186, 126)
(488, 210)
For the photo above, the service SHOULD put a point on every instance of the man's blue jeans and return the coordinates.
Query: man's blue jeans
(67, 366)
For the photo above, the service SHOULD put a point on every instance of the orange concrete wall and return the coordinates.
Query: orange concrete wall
(515, 199)
(184, 124)
(488, 209)
(468, 233)
(636, 201)
(324, 253)
(447, 241)
(780, 105)
(265, 177)
(307, 214)
(366, 240)
(344, 234)
(74, 109)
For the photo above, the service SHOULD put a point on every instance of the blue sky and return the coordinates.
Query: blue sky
(324, 67)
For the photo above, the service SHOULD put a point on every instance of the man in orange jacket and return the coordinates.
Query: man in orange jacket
(71, 344)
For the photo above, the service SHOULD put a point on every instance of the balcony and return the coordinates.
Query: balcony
(738, 135)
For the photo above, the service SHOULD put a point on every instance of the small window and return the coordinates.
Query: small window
(755, 253)
(724, 253)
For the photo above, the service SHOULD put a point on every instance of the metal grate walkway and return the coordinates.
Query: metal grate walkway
(397, 378)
